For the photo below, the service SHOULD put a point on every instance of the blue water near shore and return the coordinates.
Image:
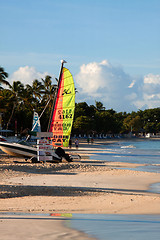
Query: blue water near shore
(121, 227)
(141, 151)
(125, 227)
(133, 151)
(104, 226)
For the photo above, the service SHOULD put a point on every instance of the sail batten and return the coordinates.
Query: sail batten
(62, 118)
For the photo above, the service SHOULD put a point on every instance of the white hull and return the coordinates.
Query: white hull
(18, 150)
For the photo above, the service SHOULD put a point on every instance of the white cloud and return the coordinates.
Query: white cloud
(88, 76)
(152, 79)
(27, 75)
(116, 89)
(107, 83)
(150, 92)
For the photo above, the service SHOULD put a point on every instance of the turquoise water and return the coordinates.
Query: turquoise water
(133, 151)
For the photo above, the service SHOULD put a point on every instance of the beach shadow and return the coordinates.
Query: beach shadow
(39, 168)
(10, 191)
(93, 162)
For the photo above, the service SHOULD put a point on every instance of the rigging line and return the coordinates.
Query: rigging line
(54, 102)
(39, 118)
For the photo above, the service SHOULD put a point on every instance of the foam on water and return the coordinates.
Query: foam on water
(133, 151)
(146, 151)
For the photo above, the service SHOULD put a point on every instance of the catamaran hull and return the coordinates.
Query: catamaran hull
(18, 150)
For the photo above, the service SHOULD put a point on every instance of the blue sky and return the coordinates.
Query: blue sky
(112, 47)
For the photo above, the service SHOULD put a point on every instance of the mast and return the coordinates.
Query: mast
(62, 63)
(54, 101)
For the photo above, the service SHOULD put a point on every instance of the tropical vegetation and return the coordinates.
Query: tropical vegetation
(17, 103)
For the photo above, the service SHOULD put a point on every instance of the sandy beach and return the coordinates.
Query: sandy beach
(85, 186)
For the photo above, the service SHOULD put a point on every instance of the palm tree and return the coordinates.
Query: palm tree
(17, 90)
(49, 88)
(37, 88)
(34, 94)
(49, 95)
(29, 98)
(99, 106)
(3, 76)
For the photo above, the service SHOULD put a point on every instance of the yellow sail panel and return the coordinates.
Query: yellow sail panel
(63, 114)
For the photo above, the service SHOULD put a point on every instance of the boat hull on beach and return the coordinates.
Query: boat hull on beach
(29, 152)
(18, 150)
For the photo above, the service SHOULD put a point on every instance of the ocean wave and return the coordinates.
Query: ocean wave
(129, 146)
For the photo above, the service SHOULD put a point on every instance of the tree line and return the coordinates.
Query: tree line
(17, 103)
(96, 119)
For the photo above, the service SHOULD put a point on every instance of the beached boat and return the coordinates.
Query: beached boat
(18, 149)
(36, 127)
(24, 150)
(60, 124)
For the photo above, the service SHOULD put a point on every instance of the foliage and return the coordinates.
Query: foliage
(17, 102)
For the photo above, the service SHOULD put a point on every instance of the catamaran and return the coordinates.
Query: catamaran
(60, 122)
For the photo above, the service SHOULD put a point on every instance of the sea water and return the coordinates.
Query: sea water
(121, 227)
(140, 151)
(124, 227)
(132, 151)
(103, 226)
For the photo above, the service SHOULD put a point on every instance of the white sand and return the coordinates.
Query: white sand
(80, 187)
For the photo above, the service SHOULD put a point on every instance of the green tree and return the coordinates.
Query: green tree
(136, 124)
(82, 125)
(3, 76)
(49, 88)
(132, 123)
(81, 109)
(127, 126)
(37, 88)
(99, 106)
(17, 90)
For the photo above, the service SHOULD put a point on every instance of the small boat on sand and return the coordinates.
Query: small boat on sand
(24, 150)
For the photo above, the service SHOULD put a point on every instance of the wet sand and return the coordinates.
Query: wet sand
(86, 186)
(37, 227)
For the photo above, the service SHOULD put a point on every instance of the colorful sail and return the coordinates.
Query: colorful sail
(62, 118)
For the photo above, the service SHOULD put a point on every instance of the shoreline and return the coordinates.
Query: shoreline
(86, 186)
(38, 227)
(67, 187)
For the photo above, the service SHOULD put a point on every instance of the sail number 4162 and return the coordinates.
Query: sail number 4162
(65, 116)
